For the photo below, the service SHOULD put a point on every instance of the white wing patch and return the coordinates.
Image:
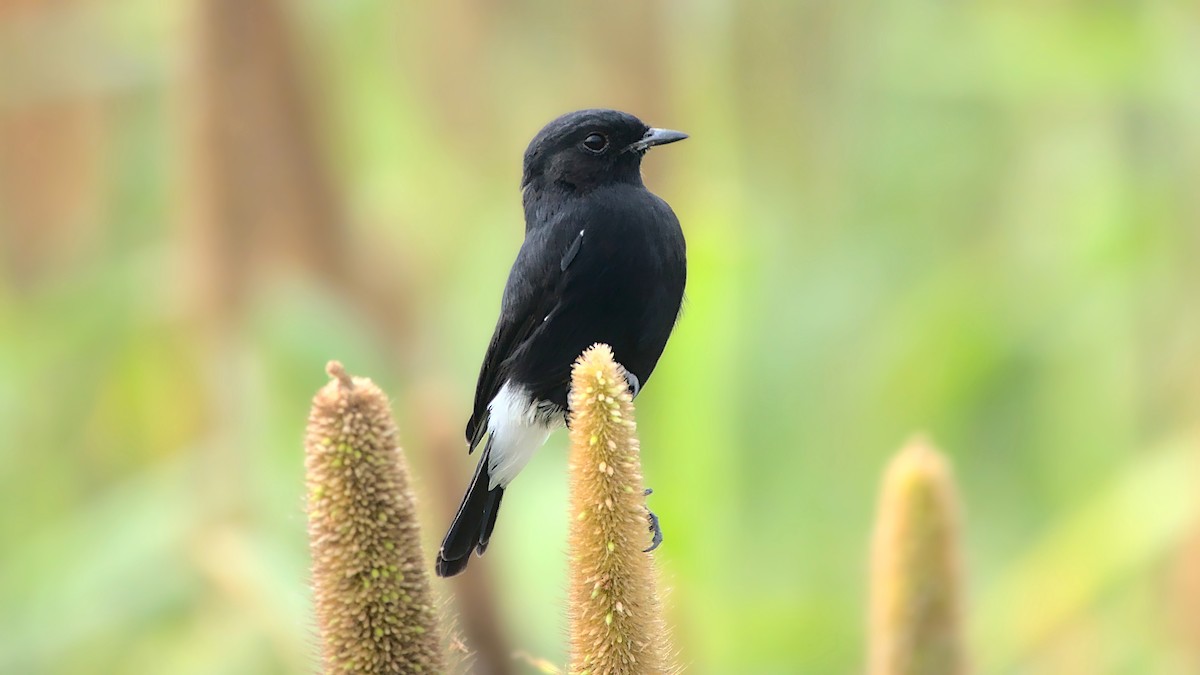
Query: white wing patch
(518, 427)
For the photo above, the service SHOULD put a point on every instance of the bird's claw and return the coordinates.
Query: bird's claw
(635, 385)
(654, 526)
(656, 529)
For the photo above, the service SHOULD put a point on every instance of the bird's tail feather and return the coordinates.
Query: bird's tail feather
(473, 524)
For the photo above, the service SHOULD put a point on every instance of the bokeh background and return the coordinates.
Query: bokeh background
(980, 220)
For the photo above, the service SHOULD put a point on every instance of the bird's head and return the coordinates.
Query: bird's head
(587, 148)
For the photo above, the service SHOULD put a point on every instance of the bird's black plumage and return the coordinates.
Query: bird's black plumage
(603, 261)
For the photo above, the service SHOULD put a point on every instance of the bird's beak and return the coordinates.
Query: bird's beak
(657, 137)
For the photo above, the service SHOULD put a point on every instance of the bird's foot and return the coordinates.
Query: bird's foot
(635, 386)
(654, 526)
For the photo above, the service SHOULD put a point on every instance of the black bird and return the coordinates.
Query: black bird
(603, 261)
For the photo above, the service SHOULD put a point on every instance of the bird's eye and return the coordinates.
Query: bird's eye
(595, 143)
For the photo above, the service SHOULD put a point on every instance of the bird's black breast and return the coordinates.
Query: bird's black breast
(607, 266)
(623, 271)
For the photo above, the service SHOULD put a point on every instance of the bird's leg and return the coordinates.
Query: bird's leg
(634, 385)
(654, 526)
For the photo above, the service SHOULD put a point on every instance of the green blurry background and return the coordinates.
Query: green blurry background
(975, 219)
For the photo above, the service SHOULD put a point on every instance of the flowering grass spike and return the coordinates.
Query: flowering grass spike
(616, 619)
(374, 608)
(916, 613)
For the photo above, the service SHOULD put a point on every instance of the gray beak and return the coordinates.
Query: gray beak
(657, 137)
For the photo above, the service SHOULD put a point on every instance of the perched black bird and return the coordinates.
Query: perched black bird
(603, 261)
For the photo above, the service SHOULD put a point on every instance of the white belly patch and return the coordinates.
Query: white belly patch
(518, 426)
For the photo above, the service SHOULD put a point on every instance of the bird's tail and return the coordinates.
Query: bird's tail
(474, 522)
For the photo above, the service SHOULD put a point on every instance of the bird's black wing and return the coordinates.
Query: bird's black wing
(530, 296)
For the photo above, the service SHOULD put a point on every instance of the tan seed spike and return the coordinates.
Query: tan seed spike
(916, 584)
(374, 608)
(616, 618)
